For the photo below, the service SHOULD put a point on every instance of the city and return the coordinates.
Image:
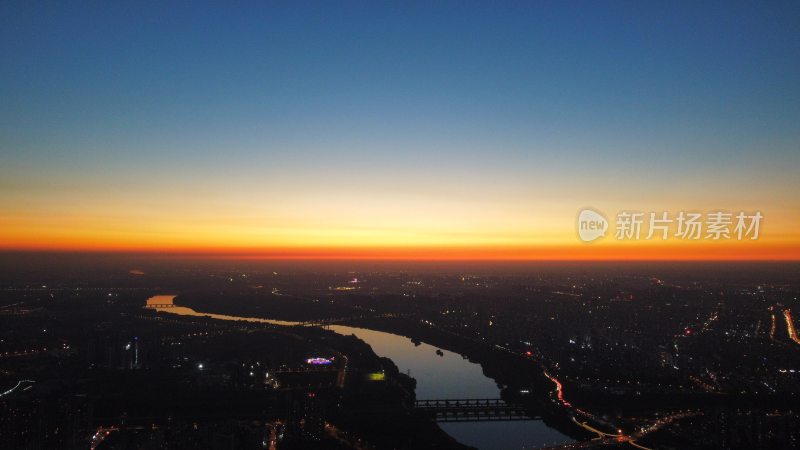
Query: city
(649, 357)
(399, 225)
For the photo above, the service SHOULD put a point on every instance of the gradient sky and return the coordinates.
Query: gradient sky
(394, 129)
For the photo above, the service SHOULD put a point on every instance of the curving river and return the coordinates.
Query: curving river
(438, 377)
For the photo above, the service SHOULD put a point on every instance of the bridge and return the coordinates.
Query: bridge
(472, 410)
(160, 306)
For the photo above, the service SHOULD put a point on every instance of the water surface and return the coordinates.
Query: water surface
(448, 376)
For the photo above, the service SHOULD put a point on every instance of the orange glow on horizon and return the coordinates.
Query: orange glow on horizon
(577, 252)
(400, 232)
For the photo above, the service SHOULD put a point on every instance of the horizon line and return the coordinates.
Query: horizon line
(498, 258)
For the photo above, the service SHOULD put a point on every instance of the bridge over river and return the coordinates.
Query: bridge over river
(473, 410)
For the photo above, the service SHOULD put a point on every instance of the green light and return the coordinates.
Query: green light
(376, 376)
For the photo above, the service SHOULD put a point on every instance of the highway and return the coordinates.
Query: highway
(19, 384)
(790, 326)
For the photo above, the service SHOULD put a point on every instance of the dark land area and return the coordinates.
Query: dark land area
(656, 356)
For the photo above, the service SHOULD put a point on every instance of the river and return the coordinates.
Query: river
(438, 377)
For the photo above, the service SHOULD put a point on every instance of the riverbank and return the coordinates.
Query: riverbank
(366, 412)
(520, 381)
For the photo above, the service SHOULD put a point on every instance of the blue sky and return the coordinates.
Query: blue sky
(524, 96)
(515, 72)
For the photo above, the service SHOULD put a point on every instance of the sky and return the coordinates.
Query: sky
(474, 130)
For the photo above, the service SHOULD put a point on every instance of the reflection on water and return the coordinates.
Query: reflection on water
(451, 376)
(529, 434)
(163, 303)
(438, 377)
